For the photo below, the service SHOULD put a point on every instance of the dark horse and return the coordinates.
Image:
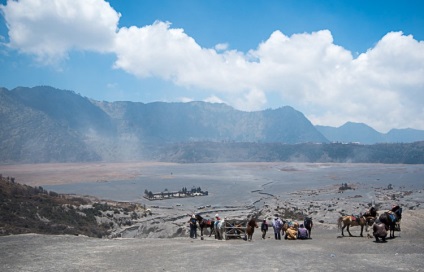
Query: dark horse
(371, 213)
(308, 225)
(251, 225)
(205, 223)
(390, 219)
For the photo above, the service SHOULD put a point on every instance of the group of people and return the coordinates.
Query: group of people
(193, 225)
(293, 230)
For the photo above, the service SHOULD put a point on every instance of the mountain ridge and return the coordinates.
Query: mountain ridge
(45, 124)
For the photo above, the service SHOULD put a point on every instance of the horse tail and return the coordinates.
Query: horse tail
(339, 222)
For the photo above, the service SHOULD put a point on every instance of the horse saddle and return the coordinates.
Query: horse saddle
(355, 218)
(392, 217)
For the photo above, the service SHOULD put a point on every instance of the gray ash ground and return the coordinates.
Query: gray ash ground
(236, 191)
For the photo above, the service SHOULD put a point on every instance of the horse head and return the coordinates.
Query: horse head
(372, 212)
(398, 212)
(198, 217)
(252, 223)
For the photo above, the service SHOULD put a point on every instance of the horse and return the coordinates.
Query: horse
(390, 219)
(219, 229)
(308, 225)
(371, 213)
(251, 225)
(205, 223)
(351, 221)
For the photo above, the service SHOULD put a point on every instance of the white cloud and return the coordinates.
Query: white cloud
(383, 87)
(221, 46)
(214, 99)
(185, 99)
(49, 29)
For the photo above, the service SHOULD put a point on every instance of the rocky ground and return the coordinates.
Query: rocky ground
(171, 222)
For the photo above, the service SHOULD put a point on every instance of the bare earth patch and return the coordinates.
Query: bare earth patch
(67, 173)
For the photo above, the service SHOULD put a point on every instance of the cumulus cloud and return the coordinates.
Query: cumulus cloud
(382, 87)
(214, 99)
(49, 29)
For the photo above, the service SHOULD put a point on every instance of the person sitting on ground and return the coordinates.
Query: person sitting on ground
(379, 231)
(302, 233)
(291, 232)
(264, 228)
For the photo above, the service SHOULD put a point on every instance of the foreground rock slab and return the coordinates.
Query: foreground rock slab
(325, 252)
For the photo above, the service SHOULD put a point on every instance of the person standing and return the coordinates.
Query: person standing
(264, 228)
(193, 227)
(277, 224)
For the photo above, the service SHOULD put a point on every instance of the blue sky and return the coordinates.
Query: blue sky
(335, 61)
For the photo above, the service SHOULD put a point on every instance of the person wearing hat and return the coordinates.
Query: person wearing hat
(193, 227)
(217, 219)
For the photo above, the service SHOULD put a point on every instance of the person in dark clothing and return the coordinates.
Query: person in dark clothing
(264, 228)
(193, 227)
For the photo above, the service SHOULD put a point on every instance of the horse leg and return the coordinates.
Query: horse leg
(347, 228)
(362, 230)
(343, 229)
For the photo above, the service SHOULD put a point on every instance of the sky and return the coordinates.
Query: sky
(335, 61)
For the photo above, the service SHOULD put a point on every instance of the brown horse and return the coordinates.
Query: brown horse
(251, 225)
(351, 221)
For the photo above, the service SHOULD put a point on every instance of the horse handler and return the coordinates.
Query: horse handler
(193, 227)
(379, 231)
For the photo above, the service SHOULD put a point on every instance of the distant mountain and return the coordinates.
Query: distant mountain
(362, 133)
(44, 124)
(351, 132)
(407, 135)
(31, 135)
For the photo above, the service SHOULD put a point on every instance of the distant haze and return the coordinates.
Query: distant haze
(44, 124)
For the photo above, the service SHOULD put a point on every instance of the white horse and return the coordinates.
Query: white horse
(219, 229)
